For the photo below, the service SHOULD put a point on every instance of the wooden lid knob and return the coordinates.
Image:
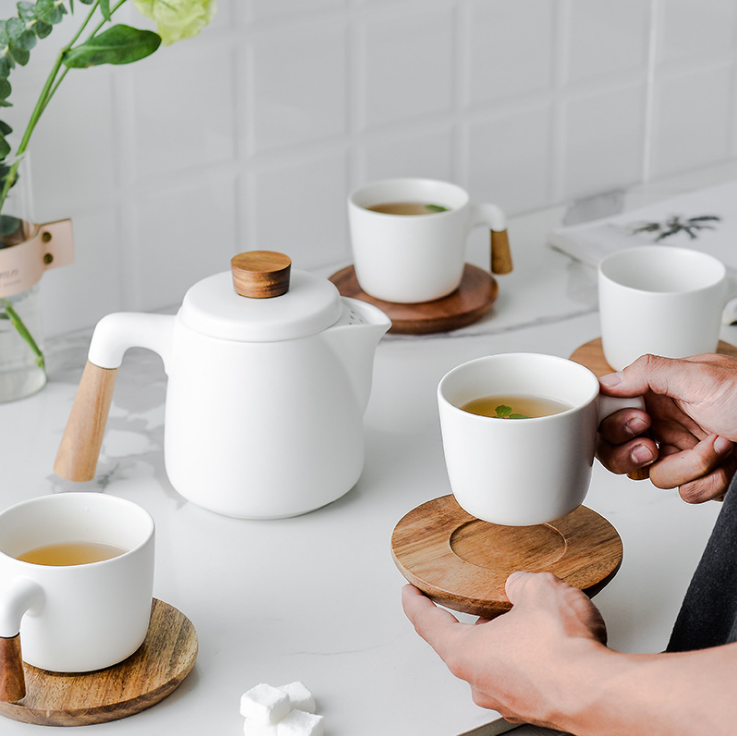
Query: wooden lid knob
(260, 274)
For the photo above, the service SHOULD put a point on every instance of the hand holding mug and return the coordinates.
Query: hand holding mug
(691, 417)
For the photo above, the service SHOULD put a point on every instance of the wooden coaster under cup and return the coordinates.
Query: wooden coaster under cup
(467, 304)
(149, 675)
(463, 563)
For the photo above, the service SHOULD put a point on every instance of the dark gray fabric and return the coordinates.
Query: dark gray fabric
(708, 615)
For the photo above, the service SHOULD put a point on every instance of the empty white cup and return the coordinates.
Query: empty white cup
(662, 300)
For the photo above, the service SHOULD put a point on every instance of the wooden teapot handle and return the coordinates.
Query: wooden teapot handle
(501, 256)
(79, 450)
(12, 679)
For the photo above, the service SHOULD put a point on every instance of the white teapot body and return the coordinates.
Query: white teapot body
(261, 428)
(287, 441)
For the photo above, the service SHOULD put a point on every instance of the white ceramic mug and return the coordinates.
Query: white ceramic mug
(414, 258)
(520, 472)
(83, 617)
(662, 300)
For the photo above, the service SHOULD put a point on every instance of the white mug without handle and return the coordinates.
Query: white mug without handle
(661, 300)
(72, 618)
(418, 258)
(520, 472)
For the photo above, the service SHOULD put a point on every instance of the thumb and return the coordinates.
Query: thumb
(665, 376)
(519, 585)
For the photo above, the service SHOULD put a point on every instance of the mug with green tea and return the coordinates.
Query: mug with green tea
(519, 435)
(408, 237)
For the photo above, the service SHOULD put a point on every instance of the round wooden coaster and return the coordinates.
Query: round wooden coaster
(154, 671)
(463, 563)
(591, 355)
(467, 304)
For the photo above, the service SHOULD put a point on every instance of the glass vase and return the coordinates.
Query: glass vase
(22, 365)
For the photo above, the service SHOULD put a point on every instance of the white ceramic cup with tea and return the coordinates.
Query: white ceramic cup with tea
(660, 299)
(409, 236)
(84, 602)
(527, 459)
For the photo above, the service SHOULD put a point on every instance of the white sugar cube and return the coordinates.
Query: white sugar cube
(254, 728)
(299, 723)
(265, 704)
(300, 697)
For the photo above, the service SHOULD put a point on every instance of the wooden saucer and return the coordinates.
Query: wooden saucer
(466, 305)
(154, 671)
(463, 563)
(591, 355)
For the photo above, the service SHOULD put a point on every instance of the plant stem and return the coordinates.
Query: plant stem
(17, 322)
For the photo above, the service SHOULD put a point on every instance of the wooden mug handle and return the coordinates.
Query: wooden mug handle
(501, 256)
(12, 679)
(80, 445)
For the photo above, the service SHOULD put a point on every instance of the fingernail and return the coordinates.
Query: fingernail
(642, 455)
(611, 379)
(635, 426)
(722, 446)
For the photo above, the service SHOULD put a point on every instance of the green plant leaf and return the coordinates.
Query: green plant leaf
(518, 416)
(20, 36)
(20, 55)
(26, 10)
(105, 9)
(5, 89)
(118, 45)
(42, 29)
(49, 12)
(436, 208)
(5, 129)
(4, 147)
(8, 225)
(6, 63)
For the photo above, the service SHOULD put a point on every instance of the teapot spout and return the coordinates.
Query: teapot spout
(354, 338)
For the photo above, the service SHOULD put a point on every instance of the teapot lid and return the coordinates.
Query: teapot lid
(261, 300)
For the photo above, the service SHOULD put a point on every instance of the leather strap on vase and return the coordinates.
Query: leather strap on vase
(22, 265)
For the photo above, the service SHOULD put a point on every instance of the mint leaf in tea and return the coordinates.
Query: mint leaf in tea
(514, 407)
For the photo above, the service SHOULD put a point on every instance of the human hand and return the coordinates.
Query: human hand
(514, 663)
(691, 419)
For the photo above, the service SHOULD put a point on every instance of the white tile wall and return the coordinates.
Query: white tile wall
(251, 135)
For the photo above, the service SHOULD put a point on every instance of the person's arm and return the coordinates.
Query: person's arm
(545, 662)
(686, 437)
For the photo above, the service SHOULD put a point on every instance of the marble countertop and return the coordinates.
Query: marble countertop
(316, 598)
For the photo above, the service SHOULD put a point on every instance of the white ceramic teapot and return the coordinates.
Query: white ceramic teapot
(268, 381)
